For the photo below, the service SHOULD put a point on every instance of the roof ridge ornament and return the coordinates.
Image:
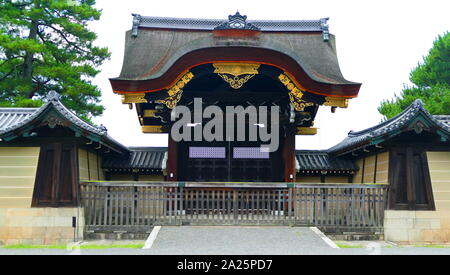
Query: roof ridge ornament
(237, 21)
(137, 18)
(53, 96)
(418, 102)
(325, 28)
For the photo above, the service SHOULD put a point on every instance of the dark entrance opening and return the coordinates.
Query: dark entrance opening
(234, 159)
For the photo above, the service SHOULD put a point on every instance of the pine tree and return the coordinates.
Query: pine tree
(46, 45)
(431, 83)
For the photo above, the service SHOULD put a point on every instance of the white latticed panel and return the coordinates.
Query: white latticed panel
(207, 152)
(250, 153)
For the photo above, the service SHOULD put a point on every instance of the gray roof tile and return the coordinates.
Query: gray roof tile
(310, 160)
(400, 122)
(139, 158)
(15, 119)
(12, 116)
(210, 24)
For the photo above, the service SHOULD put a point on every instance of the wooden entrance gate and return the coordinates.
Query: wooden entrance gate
(135, 207)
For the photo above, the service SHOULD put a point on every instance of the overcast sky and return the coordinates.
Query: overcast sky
(378, 43)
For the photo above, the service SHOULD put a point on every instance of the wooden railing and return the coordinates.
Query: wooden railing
(135, 207)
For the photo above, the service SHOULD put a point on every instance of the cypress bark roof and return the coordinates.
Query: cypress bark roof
(156, 45)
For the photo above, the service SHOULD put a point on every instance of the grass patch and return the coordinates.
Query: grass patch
(83, 246)
(27, 246)
(343, 245)
(98, 246)
(432, 246)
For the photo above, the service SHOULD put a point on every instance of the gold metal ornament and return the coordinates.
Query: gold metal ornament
(236, 82)
(236, 74)
(152, 129)
(336, 101)
(295, 94)
(171, 101)
(306, 131)
(175, 92)
(149, 113)
(134, 98)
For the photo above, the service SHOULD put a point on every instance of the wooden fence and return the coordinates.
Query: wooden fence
(135, 207)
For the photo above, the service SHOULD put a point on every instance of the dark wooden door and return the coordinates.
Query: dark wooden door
(56, 183)
(228, 162)
(409, 177)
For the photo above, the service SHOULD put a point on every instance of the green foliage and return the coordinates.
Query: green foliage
(86, 246)
(46, 45)
(431, 83)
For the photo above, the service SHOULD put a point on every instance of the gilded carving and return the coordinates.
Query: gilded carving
(171, 101)
(306, 131)
(149, 113)
(237, 81)
(179, 85)
(152, 129)
(295, 93)
(175, 92)
(336, 101)
(236, 74)
(134, 98)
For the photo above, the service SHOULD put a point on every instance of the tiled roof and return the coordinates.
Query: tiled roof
(12, 116)
(322, 161)
(399, 123)
(210, 24)
(443, 119)
(144, 158)
(13, 120)
(139, 158)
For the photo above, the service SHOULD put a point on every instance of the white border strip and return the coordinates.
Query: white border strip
(152, 237)
(324, 238)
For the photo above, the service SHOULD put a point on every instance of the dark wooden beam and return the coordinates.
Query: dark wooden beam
(289, 156)
(172, 165)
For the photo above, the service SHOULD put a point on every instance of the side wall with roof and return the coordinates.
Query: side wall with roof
(439, 166)
(89, 165)
(18, 167)
(425, 226)
(373, 169)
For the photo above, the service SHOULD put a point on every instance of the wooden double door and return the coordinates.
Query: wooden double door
(229, 162)
(56, 183)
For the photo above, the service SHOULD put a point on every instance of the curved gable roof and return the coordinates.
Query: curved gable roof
(164, 48)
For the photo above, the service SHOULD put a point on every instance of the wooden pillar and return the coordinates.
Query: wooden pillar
(289, 157)
(172, 161)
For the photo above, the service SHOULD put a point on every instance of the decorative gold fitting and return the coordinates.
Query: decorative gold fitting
(149, 113)
(336, 102)
(236, 69)
(306, 131)
(295, 93)
(241, 72)
(179, 85)
(236, 82)
(152, 129)
(134, 98)
(175, 92)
